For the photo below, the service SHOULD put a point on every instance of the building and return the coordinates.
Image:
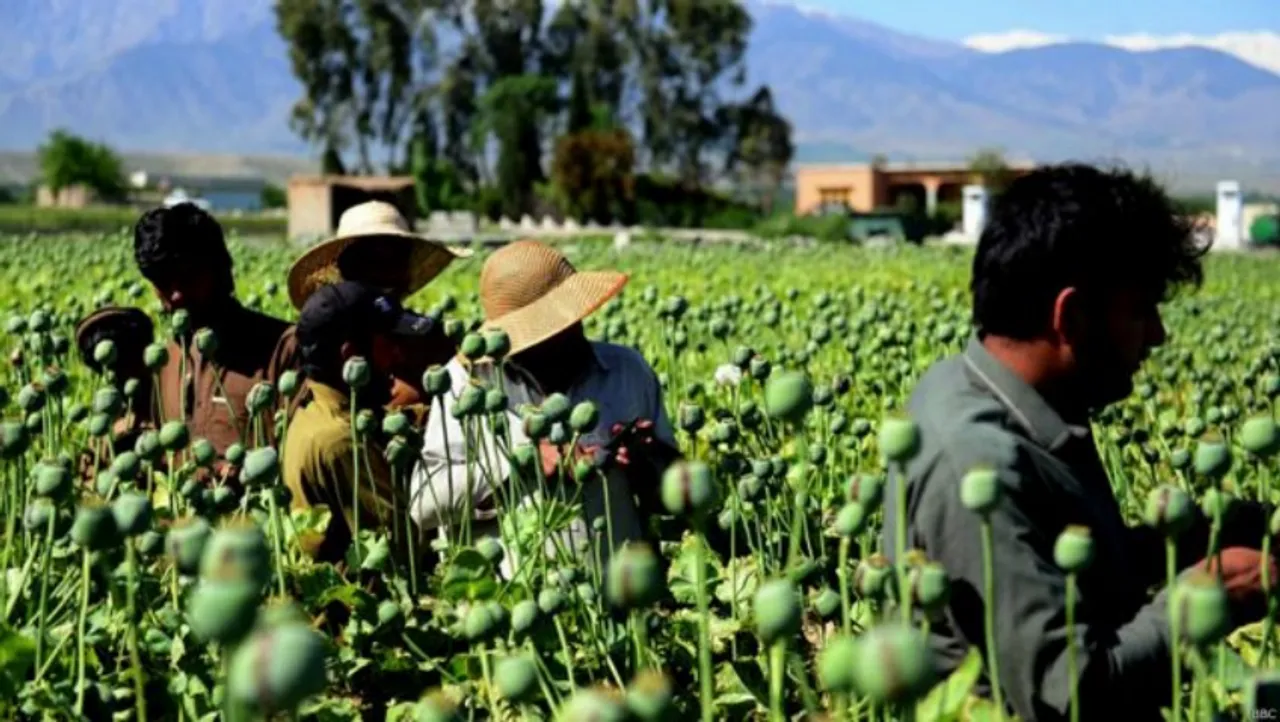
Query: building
(867, 187)
(317, 202)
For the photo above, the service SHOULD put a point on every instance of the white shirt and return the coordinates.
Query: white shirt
(624, 388)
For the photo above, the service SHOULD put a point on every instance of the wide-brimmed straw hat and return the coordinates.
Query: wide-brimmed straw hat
(532, 292)
(373, 243)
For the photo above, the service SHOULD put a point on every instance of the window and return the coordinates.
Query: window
(835, 195)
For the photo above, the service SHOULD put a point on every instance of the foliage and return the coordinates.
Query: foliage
(593, 173)
(100, 602)
(990, 166)
(67, 160)
(273, 196)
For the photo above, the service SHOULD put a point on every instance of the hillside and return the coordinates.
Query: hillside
(199, 76)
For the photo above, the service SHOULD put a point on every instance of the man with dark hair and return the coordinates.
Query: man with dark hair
(181, 251)
(1067, 281)
(341, 322)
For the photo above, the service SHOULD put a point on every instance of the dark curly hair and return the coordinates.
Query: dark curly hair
(173, 241)
(1082, 226)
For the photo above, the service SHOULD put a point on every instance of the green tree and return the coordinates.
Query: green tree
(593, 174)
(513, 108)
(990, 166)
(760, 147)
(67, 160)
(273, 196)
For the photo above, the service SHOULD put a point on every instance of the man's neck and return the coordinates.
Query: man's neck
(1032, 361)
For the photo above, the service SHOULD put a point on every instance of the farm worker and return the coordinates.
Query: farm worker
(181, 251)
(531, 292)
(130, 331)
(1068, 277)
(349, 334)
(375, 244)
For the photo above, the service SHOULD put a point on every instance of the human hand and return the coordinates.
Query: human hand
(631, 440)
(1242, 579)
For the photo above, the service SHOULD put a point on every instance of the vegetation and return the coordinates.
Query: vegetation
(139, 593)
(67, 160)
(473, 96)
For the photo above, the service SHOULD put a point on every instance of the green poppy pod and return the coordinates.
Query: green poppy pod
(364, 422)
(495, 401)
(930, 586)
(491, 549)
(836, 664)
(749, 487)
(278, 611)
(277, 670)
(516, 678)
(203, 453)
(150, 543)
(894, 664)
(980, 490)
(873, 577)
(592, 705)
(356, 372)
(742, 357)
(691, 417)
(1169, 510)
(827, 603)
(455, 329)
(523, 616)
(1203, 610)
(260, 397)
(478, 624)
(185, 543)
(174, 436)
(496, 344)
(235, 454)
(472, 346)
(1073, 550)
(108, 401)
(132, 512)
(104, 353)
(396, 424)
(94, 528)
(1180, 459)
(237, 551)
(899, 439)
(155, 356)
(469, 402)
(35, 518)
(1215, 503)
(31, 398)
(13, 440)
(126, 466)
(436, 381)
(634, 577)
(1259, 437)
(55, 381)
(147, 446)
(1212, 458)
(688, 489)
(53, 480)
(35, 423)
(867, 489)
(550, 601)
(289, 384)
(536, 426)
(777, 611)
(788, 396)
(649, 696)
(760, 369)
(76, 413)
(850, 520)
(223, 611)
(584, 417)
(16, 325)
(261, 467)
(206, 342)
(559, 434)
(556, 408)
(105, 483)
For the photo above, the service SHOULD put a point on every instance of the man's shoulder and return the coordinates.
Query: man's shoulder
(317, 433)
(961, 423)
(623, 360)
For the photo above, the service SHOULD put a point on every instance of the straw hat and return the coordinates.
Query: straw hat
(531, 291)
(381, 243)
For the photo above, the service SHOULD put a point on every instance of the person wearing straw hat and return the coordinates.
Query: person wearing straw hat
(532, 293)
(375, 244)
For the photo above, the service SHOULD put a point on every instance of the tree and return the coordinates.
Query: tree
(760, 146)
(513, 107)
(593, 174)
(990, 167)
(67, 160)
(273, 196)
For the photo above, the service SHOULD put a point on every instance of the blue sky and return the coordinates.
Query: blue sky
(1082, 19)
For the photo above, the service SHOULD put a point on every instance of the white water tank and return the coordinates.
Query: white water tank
(975, 210)
(1230, 222)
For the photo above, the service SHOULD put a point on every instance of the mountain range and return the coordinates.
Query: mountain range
(211, 76)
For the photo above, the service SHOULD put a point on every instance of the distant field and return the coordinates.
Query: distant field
(19, 167)
(29, 219)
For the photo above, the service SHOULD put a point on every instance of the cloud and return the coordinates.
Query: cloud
(1261, 48)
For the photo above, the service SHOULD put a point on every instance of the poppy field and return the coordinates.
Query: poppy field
(134, 589)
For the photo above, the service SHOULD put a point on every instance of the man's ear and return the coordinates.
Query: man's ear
(1068, 314)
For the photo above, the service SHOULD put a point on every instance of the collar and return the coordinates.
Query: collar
(1045, 425)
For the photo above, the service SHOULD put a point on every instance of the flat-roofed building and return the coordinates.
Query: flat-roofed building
(867, 187)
